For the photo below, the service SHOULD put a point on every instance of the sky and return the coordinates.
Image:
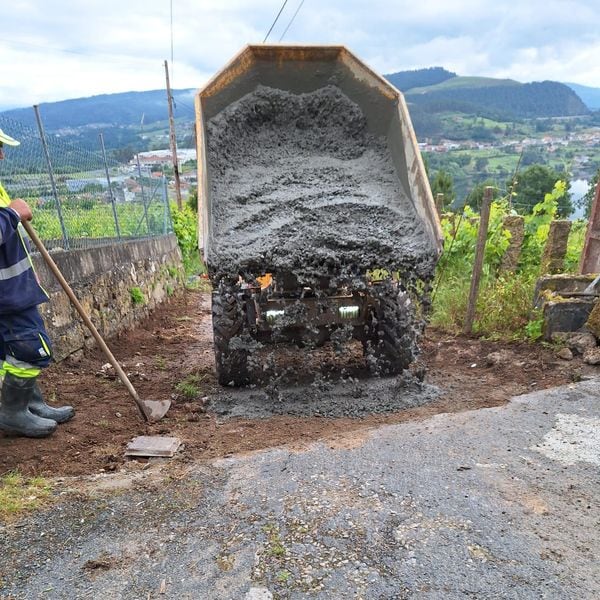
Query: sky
(58, 49)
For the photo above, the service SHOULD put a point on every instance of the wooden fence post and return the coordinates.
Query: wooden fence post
(484, 222)
(590, 257)
(439, 204)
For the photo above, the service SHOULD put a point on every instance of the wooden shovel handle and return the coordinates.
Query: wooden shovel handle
(67, 288)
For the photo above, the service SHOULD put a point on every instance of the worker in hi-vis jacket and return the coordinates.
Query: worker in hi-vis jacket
(25, 347)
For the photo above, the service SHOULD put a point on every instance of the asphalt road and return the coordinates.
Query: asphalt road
(494, 503)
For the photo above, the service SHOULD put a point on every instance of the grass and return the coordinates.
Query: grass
(190, 387)
(19, 494)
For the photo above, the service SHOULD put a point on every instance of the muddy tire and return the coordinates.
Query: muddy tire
(391, 345)
(228, 326)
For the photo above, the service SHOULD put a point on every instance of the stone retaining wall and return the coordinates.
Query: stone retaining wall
(117, 285)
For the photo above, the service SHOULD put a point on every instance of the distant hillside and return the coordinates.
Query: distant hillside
(497, 98)
(407, 80)
(431, 94)
(123, 109)
(590, 95)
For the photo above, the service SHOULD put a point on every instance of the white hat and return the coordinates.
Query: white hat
(6, 139)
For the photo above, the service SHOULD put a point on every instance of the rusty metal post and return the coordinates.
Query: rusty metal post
(484, 222)
(111, 195)
(590, 256)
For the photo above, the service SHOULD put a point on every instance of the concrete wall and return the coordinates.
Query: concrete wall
(117, 285)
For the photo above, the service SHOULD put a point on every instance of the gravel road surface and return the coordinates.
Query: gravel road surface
(494, 503)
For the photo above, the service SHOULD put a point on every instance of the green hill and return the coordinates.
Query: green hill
(465, 82)
(124, 109)
(499, 98)
(590, 95)
(407, 80)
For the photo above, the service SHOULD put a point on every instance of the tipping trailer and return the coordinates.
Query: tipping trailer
(316, 218)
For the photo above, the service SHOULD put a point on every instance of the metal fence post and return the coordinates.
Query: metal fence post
(110, 191)
(139, 168)
(166, 204)
(40, 125)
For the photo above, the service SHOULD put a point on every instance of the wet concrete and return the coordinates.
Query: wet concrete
(298, 184)
(349, 397)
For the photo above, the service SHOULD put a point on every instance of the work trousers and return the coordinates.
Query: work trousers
(25, 347)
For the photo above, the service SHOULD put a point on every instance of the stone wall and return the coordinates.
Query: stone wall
(117, 285)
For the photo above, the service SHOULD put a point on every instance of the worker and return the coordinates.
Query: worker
(25, 347)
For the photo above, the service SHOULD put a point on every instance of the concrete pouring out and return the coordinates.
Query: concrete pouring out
(300, 185)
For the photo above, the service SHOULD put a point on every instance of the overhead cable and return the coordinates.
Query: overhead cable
(275, 21)
(291, 20)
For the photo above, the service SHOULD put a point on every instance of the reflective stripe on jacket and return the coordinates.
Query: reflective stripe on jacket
(19, 286)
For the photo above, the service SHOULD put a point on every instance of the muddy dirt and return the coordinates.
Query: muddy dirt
(171, 354)
(299, 185)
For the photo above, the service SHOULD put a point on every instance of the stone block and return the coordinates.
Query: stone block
(593, 322)
(515, 224)
(565, 315)
(553, 257)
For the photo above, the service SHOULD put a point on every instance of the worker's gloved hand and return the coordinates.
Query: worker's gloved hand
(22, 209)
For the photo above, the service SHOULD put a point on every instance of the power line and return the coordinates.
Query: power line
(275, 21)
(291, 20)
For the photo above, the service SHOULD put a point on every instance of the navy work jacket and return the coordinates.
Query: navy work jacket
(19, 285)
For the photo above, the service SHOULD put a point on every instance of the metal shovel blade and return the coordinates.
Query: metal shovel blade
(155, 410)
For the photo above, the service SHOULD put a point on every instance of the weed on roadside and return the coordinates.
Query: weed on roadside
(19, 494)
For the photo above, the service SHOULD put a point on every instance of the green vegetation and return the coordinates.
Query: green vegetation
(89, 218)
(19, 494)
(185, 225)
(504, 307)
(190, 387)
(534, 183)
(137, 296)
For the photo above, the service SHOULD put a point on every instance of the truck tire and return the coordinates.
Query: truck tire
(228, 326)
(390, 345)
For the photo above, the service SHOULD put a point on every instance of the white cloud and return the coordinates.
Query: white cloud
(54, 49)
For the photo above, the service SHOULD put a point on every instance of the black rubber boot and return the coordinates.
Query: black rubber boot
(38, 407)
(15, 417)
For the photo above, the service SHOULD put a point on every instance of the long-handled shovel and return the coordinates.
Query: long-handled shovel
(151, 410)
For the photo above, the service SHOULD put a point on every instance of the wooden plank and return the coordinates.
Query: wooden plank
(153, 445)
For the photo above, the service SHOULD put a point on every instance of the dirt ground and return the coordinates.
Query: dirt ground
(173, 346)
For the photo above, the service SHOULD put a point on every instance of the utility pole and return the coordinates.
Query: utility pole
(173, 139)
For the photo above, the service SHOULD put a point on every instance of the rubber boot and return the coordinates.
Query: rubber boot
(15, 417)
(38, 407)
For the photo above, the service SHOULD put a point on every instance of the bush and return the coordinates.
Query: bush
(504, 306)
(185, 225)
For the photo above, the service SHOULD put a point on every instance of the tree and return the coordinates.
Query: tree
(442, 183)
(533, 184)
(123, 155)
(462, 160)
(481, 163)
(475, 197)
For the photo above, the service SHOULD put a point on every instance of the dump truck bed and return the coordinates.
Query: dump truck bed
(308, 163)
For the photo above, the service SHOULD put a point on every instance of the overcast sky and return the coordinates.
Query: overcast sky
(59, 49)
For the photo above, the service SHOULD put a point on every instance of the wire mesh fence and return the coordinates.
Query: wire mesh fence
(81, 198)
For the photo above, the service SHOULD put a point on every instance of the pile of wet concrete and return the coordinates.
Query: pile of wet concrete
(299, 185)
